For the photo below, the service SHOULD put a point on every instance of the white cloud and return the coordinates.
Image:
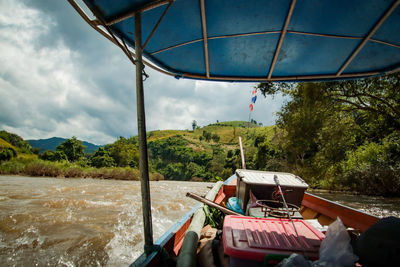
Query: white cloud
(42, 90)
(58, 77)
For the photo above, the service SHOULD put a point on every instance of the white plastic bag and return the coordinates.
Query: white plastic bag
(335, 250)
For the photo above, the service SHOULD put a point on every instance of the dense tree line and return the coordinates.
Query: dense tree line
(339, 135)
(121, 153)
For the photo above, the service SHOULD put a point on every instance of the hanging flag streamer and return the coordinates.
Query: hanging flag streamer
(253, 99)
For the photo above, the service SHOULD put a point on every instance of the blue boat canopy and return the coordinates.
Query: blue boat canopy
(258, 40)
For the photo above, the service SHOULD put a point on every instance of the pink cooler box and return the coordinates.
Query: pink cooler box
(249, 241)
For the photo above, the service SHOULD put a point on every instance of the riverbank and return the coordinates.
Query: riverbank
(42, 168)
(34, 167)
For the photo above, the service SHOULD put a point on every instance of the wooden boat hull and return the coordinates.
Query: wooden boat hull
(313, 207)
(326, 211)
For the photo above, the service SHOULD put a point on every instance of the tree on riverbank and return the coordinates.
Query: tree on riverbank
(72, 148)
(124, 152)
(102, 158)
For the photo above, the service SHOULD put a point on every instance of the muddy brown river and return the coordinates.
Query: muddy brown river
(83, 222)
(91, 222)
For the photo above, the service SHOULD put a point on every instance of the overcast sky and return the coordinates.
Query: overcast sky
(59, 77)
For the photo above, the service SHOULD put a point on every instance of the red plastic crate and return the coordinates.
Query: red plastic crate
(247, 238)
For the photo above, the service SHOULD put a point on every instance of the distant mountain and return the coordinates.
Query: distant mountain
(52, 143)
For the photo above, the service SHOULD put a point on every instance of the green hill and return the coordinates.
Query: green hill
(228, 133)
(4, 145)
(184, 154)
(19, 144)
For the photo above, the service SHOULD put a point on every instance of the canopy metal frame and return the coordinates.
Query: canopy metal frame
(132, 13)
(281, 38)
(368, 37)
(205, 38)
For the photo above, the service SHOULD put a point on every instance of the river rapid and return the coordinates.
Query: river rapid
(92, 222)
(83, 222)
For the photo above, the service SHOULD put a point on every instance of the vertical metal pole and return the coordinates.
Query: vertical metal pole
(143, 159)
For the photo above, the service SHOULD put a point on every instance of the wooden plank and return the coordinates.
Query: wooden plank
(179, 236)
(325, 220)
(308, 213)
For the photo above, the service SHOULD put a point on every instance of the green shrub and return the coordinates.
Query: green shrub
(82, 162)
(14, 166)
(53, 155)
(215, 137)
(6, 154)
(374, 168)
(156, 177)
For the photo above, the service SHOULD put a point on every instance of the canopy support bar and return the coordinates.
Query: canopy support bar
(131, 13)
(205, 40)
(283, 34)
(143, 158)
(158, 24)
(273, 32)
(281, 78)
(368, 37)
